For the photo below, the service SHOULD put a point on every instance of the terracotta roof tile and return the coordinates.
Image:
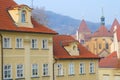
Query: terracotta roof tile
(115, 23)
(110, 61)
(7, 24)
(83, 27)
(61, 53)
(102, 32)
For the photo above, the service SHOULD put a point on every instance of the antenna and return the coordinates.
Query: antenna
(32, 3)
(102, 12)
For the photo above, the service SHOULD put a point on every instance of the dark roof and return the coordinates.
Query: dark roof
(59, 41)
(7, 23)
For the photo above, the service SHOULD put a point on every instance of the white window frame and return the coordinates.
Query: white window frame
(7, 44)
(44, 44)
(82, 68)
(60, 69)
(45, 69)
(19, 43)
(23, 16)
(35, 68)
(71, 69)
(10, 70)
(92, 67)
(20, 71)
(34, 43)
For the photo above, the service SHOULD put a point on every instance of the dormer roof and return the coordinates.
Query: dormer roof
(102, 32)
(7, 23)
(115, 23)
(83, 27)
(61, 53)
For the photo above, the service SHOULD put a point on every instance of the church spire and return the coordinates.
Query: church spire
(102, 18)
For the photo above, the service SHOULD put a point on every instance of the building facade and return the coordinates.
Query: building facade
(26, 47)
(73, 61)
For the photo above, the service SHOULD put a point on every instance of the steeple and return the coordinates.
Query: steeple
(102, 18)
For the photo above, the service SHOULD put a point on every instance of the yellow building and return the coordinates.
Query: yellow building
(109, 67)
(100, 41)
(26, 47)
(73, 61)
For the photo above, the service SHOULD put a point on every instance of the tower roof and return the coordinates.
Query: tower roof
(115, 23)
(83, 27)
(102, 32)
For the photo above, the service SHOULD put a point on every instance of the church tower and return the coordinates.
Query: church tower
(102, 18)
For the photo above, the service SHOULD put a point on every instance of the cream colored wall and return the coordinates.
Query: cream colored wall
(16, 15)
(28, 56)
(70, 49)
(77, 75)
(110, 72)
(95, 41)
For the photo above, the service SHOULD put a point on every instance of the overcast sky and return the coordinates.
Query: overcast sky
(90, 10)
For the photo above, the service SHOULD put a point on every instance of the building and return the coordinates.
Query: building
(100, 41)
(26, 47)
(83, 32)
(109, 67)
(73, 61)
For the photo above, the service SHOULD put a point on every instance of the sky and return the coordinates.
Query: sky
(90, 10)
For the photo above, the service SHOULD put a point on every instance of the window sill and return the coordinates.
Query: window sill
(19, 48)
(46, 76)
(92, 73)
(35, 77)
(45, 49)
(19, 78)
(7, 79)
(71, 75)
(7, 48)
(60, 75)
(82, 73)
(34, 49)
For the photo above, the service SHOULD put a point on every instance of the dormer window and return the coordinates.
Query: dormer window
(23, 16)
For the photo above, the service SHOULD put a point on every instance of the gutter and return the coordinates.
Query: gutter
(54, 68)
(1, 56)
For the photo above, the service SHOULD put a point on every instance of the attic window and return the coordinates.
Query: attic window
(23, 16)
(74, 47)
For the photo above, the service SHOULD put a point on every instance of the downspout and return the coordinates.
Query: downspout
(54, 68)
(1, 56)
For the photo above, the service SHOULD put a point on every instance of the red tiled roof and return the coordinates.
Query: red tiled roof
(61, 53)
(110, 61)
(7, 24)
(115, 23)
(102, 32)
(83, 27)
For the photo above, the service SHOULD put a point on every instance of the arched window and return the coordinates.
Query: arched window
(107, 46)
(23, 16)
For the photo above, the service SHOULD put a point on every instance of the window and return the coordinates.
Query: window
(19, 43)
(7, 72)
(82, 68)
(34, 70)
(6, 42)
(92, 67)
(34, 43)
(23, 16)
(71, 68)
(107, 46)
(60, 69)
(45, 44)
(20, 71)
(45, 69)
(99, 46)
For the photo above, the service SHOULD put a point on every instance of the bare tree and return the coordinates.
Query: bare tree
(39, 15)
